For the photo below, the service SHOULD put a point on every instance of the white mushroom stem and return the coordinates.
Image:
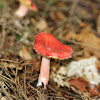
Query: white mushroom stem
(44, 72)
(22, 10)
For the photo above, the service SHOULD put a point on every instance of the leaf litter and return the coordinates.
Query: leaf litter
(71, 22)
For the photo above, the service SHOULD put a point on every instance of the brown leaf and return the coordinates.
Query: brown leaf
(98, 25)
(60, 4)
(83, 12)
(95, 91)
(87, 39)
(25, 54)
(69, 36)
(80, 84)
(86, 36)
(92, 41)
(41, 25)
(57, 15)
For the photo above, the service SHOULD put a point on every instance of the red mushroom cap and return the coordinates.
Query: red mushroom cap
(47, 45)
(34, 7)
(29, 4)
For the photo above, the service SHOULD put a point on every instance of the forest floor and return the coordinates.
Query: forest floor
(73, 22)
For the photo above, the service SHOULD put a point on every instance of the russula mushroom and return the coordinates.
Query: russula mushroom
(48, 46)
(24, 6)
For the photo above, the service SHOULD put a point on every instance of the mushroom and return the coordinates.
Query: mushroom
(24, 6)
(48, 46)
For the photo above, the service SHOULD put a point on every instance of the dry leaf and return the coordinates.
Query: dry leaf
(83, 12)
(98, 25)
(70, 36)
(95, 91)
(57, 15)
(4, 98)
(24, 38)
(61, 4)
(25, 54)
(41, 25)
(86, 37)
(80, 84)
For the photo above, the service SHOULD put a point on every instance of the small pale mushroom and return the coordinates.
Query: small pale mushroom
(48, 46)
(24, 6)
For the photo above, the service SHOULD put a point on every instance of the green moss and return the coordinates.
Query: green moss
(1, 5)
(50, 1)
(18, 37)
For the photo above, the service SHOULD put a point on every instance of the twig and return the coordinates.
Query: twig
(74, 95)
(61, 98)
(25, 80)
(5, 92)
(10, 61)
(39, 94)
(11, 29)
(3, 37)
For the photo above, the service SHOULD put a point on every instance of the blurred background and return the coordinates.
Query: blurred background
(73, 22)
